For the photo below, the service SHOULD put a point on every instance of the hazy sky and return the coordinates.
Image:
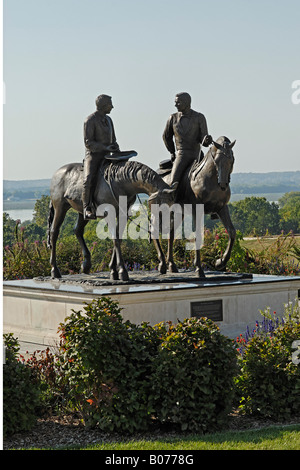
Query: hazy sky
(237, 59)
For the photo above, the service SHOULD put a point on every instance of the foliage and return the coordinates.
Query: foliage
(26, 254)
(295, 251)
(41, 211)
(107, 363)
(269, 381)
(193, 375)
(8, 229)
(290, 211)
(255, 213)
(121, 375)
(215, 243)
(21, 393)
(274, 258)
(47, 370)
(24, 259)
(124, 377)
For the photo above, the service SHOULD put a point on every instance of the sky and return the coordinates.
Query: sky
(238, 59)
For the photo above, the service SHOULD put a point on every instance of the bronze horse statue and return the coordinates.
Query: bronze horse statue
(115, 179)
(205, 182)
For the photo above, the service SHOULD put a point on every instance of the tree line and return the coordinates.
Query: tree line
(251, 216)
(257, 216)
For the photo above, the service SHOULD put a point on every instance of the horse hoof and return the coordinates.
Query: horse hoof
(85, 269)
(220, 265)
(123, 275)
(114, 276)
(162, 268)
(55, 273)
(200, 273)
(173, 268)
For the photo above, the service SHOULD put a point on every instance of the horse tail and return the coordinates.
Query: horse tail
(50, 220)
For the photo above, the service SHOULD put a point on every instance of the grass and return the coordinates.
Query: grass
(272, 438)
(268, 438)
(257, 244)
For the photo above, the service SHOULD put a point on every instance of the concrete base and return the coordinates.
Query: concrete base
(33, 309)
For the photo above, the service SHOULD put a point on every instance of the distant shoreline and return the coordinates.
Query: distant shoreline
(30, 203)
(22, 204)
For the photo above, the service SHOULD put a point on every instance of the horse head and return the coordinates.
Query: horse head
(222, 155)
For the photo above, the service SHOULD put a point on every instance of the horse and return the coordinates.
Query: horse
(114, 179)
(204, 182)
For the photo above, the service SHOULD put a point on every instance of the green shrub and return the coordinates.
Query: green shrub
(269, 381)
(122, 376)
(193, 375)
(21, 391)
(107, 363)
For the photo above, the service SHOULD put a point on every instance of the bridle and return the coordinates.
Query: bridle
(222, 151)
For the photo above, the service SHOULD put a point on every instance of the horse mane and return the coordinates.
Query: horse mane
(129, 171)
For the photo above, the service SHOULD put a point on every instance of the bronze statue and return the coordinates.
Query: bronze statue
(99, 139)
(113, 179)
(189, 129)
(104, 181)
(205, 182)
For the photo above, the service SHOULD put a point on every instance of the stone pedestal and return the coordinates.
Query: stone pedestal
(33, 309)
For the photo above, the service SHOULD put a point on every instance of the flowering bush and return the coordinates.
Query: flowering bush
(47, 369)
(269, 381)
(26, 259)
(275, 258)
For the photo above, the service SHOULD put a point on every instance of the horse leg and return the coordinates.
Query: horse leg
(197, 262)
(114, 276)
(58, 218)
(162, 267)
(78, 231)
(155, 232)
(170, 261)
(120, 265)
(225, 217)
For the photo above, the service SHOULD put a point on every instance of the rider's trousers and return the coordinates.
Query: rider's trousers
(180, 164)
(91, 165)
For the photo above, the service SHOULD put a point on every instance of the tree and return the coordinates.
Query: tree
(41, 211)
(9, 226)
(255, 214)
(290, 211)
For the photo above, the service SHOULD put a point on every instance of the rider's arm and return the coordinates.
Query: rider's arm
(114, 139)
(168, 136)
(204, 131)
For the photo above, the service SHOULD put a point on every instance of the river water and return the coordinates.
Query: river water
(22, 214)
(22, 210)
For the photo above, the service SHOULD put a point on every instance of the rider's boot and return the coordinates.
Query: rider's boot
(88, 214)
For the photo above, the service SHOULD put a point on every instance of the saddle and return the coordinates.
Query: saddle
(121, 156)
(165, 167)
